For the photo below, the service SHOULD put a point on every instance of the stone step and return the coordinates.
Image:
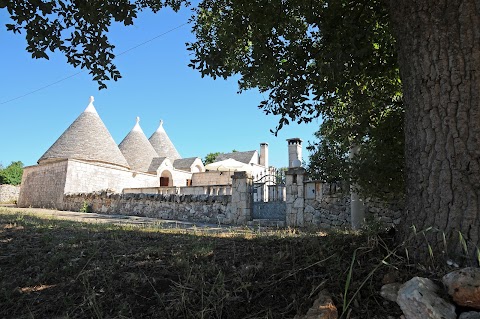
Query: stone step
(267, 223)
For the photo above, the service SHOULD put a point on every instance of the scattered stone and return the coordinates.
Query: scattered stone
(390, 291)
(452, 263)
(418, 299)
(323, 308)
(469, 315)
(464, 286)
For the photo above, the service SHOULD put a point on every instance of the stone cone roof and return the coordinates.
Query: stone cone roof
(163, 145)
(137, 149)
(88, 139)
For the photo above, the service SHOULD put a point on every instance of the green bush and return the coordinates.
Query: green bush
(12, 174)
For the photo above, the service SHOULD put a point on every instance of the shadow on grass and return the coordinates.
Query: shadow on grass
(55, 268)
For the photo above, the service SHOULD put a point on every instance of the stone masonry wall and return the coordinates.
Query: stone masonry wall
(330, 207)
(225, 209)
(9, 193)
(295, 198)
(195, 208)
(317, 204)
(242, 199)
(212, 178)
(43, 185)
(86, 177)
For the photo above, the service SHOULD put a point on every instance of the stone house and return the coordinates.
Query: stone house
(86, 159)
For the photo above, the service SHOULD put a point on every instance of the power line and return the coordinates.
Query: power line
(43, 87)
(75, 74)
(152, 39)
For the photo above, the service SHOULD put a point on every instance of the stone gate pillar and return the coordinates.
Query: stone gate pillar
(294, 183)
(242, 197)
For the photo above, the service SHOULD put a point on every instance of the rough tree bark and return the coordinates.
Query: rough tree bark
(439, 57)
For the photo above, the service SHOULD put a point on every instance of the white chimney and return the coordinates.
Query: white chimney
(294, 152)
(264, 154)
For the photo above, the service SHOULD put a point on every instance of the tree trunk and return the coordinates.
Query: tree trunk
(438, 45)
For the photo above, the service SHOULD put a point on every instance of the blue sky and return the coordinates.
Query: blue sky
(200, 115)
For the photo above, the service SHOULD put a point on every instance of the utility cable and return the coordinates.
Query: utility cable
(75, 74)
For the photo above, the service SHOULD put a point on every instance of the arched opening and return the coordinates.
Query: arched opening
(166, 178)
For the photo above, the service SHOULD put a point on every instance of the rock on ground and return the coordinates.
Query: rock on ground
(418, 299)
(470, 315)
(323, 308)
(464, 286)
(390, 291)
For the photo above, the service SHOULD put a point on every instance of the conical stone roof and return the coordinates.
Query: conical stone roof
(86, 138)
(163, 145)
(137, 149)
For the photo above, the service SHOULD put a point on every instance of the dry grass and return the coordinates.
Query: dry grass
(62, 269)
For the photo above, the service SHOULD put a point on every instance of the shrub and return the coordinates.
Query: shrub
(12, 174)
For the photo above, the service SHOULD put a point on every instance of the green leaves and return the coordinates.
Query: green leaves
(334, 59)
(305, 54)
(12, 174)
(78, 29)
(210, 157)
(378, 168)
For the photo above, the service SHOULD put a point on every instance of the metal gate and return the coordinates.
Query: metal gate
(268, 194)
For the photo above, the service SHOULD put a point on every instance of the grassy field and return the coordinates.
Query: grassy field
(62, 269)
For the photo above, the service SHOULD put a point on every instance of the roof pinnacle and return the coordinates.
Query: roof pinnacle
(137, 124)
(160, 127)
(90, 108)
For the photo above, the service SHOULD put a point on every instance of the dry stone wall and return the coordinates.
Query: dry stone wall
(195, 208)
(9, 193)
(223, 209)
(313, 203)
(330, 208)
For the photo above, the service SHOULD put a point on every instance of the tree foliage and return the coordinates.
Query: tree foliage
(377, 169)
(210, 158)
(12, 174)
(334, 59)
(78, 29)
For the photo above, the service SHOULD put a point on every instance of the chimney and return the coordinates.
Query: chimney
(294, 152)
(264, 154)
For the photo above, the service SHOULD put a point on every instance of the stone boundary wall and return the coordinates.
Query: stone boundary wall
(232, 209)
(330, 208)
(333, 211)
(317, 204)
(195, 208)
(9, 193)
